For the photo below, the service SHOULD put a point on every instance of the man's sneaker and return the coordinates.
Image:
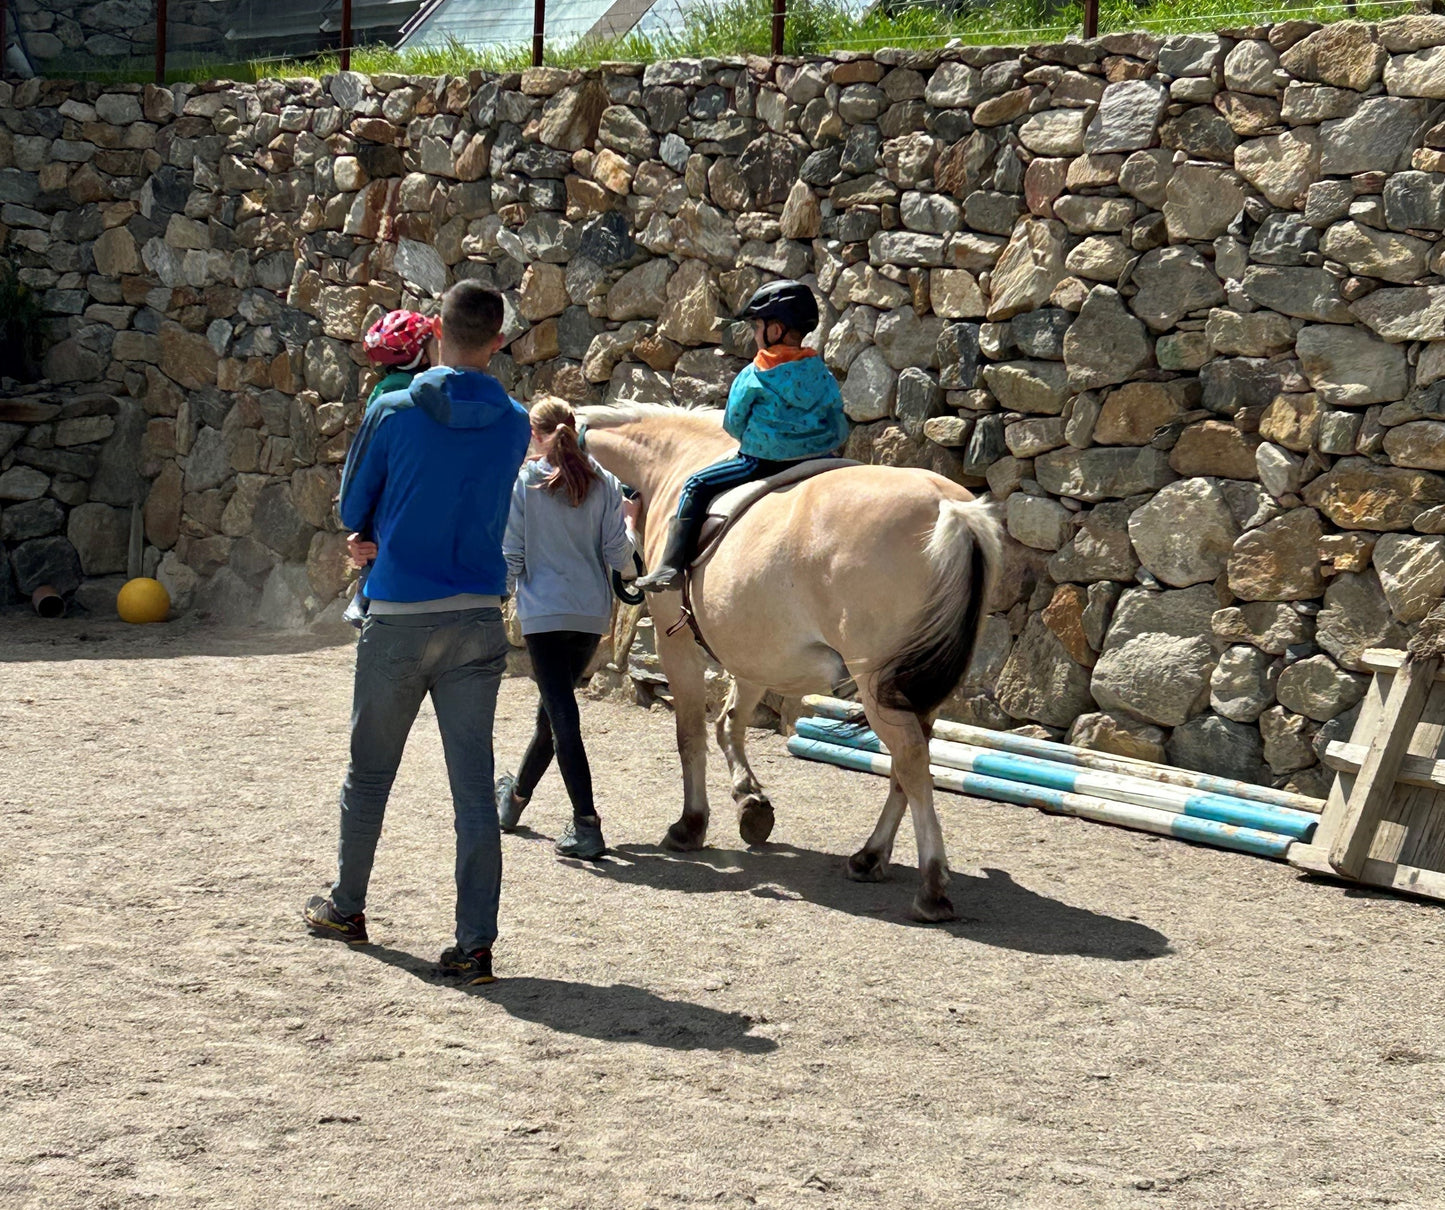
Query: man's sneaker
(509, 806)
(582, 838)
(324, 920)
(470, 967)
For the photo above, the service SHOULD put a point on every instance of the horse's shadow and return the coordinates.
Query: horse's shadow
(615, 1013)
(993, 909)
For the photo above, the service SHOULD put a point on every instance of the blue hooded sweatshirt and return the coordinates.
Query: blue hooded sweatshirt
(429, 479)
(786, 411)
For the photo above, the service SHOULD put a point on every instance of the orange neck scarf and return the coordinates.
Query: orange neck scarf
(777, 355)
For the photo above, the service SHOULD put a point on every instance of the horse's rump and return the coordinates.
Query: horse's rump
(887, 567)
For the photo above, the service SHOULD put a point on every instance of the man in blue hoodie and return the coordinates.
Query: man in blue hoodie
(429, 478)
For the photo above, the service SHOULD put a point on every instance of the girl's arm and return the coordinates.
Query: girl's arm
(616, 543)
(514, 545)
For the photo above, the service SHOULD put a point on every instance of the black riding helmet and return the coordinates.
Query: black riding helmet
(789, 303)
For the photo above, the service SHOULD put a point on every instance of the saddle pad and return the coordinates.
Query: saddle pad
(726, 508)
(731, 504)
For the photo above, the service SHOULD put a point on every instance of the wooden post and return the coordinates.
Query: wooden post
(539, 29)
(4, 37)
(160, 41)
(345, 35)
(1091, 18)
(780, 25)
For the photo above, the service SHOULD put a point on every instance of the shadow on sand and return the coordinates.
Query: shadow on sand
(619, 1013)
(25, 638)
(993, 909)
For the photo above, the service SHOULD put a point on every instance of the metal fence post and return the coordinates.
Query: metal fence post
(4, 37)
(1091, 18)
(345, 35)
(780, 24)
(539, 27)
(160, 41)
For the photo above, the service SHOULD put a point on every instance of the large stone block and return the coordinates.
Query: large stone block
(101, 537)
(1351, 368)
(1105, 344)
(1040, 681)
(1279, 560)
(1158, 655)
(1184, 535)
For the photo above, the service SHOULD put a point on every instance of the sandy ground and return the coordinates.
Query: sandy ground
(1118, 1020)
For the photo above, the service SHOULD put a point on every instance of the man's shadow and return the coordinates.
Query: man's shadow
(993, 909)
(619, 1013)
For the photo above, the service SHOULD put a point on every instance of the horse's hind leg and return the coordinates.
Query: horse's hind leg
(906, 738)
(682, 663)
(755, 811)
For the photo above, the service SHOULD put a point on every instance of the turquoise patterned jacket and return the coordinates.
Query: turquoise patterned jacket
(790, 411)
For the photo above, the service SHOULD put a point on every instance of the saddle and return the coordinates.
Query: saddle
(727, 508)
(724, 512)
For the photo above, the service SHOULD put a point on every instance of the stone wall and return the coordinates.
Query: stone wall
(72, 474)
(1177, 304)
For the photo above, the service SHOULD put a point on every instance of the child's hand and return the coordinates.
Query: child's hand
(360, 550)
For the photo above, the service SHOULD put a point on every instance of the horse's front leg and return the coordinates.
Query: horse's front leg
(683, 665)
(870, 863)
(755, 811)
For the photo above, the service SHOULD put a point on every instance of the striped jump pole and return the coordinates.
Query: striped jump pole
(1114, 787)
(1044, 749)
(1060, 802)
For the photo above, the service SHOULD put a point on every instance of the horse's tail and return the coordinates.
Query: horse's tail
(966, 550)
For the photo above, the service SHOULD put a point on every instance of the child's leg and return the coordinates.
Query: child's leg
(558, 659)
(697, 493)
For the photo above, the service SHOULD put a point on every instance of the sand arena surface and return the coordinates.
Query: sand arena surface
(1118, 1020)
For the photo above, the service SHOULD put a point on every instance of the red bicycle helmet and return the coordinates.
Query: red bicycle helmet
(399, 338)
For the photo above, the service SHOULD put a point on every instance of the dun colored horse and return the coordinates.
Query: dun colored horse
(873, 573)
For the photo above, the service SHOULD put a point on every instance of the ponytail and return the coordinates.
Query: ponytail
(573, 472)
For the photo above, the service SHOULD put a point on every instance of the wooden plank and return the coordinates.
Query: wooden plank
(1375, 785)
(1410, 880)
(1414, 770)
(1420, 811)
(1386, 659)
(1372, 709)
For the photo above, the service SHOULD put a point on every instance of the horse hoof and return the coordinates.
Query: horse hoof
(683, 838)
(755, 819)
(933, 909)
(864, 866)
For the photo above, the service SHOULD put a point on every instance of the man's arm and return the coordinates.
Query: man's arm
(364, 475)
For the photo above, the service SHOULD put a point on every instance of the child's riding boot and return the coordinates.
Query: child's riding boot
(668, 575)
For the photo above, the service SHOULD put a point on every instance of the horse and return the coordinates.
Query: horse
(874, 574)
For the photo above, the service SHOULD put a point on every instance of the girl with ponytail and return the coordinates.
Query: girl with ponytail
(565, 531)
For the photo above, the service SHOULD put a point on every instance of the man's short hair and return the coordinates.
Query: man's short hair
(471, 315)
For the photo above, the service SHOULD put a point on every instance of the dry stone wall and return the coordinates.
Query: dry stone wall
(1177, 304)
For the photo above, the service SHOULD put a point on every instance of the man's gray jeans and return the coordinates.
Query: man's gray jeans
(459, 659)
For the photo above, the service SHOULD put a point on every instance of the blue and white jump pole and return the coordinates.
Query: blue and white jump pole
(1067, 754)
(1062, 802)
(1052, 775)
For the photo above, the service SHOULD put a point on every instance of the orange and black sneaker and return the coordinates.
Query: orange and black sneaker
(324, 920)
(471, 967)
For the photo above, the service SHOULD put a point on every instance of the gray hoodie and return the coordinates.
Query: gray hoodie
(558, 555)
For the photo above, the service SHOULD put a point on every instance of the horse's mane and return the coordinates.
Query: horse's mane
(613, 415)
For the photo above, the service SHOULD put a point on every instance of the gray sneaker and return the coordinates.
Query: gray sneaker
(582, 838)
(509, 806)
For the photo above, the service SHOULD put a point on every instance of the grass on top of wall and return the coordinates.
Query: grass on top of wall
(729, 28)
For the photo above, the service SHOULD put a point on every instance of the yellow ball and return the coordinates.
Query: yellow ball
(143, 600)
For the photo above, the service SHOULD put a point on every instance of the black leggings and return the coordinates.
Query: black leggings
(559, 658)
